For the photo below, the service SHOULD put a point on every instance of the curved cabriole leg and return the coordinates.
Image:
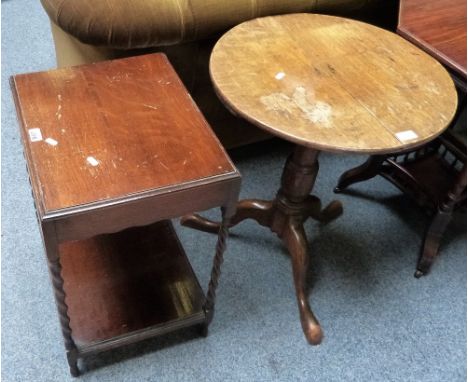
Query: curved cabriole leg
(258, 210)
(332, 211)
(199, 223)
(367, 170)
(326, 215)
(208, 306)
(295, 240)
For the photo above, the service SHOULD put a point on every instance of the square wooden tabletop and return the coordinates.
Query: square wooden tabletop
(109, 130)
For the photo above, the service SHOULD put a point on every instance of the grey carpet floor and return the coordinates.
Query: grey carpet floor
(380, 323)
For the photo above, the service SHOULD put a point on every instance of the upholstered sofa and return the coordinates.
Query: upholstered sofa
(86, 31)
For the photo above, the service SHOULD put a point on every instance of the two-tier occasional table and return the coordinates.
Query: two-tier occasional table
(324, 83)
(113, 151)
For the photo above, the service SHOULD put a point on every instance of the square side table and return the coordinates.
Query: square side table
(113, 151)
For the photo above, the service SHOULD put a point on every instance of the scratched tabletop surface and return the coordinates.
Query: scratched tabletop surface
(332, 83)
(111, 130)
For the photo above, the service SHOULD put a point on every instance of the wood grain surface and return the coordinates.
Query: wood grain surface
(111, 130)
(439, 27)
(121, 283)
(332, 84)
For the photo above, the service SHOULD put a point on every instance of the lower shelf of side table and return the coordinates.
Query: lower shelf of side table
(128, 286)
(433, 174)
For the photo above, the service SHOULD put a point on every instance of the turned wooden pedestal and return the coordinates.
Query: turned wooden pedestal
(325, 84)
(285, 216)
(114, 150)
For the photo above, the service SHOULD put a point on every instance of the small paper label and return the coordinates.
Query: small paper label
(92, 161)
(407, 135)
(51, 141)
(35, 134)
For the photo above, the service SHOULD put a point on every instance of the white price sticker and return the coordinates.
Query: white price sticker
(280, 75)
(407, 135)
(35, 134)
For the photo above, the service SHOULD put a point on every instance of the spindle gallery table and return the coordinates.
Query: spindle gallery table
(325, 84)
(114, 150)
(433, 175)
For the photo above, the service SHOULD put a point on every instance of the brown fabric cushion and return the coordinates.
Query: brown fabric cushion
(127, 24)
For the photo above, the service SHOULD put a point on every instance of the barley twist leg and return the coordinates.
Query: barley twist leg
(57, 281)
(208, 307)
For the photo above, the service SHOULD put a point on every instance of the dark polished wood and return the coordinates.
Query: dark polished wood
(118, 284)
(433, 175)
(133, 116)
(438, 27)
(439, 222)
(285, 216)
(122, 149)
(367, 170)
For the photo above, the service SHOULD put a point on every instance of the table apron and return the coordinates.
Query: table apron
(146, 210)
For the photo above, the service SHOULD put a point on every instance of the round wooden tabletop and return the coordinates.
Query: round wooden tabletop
(332, 84)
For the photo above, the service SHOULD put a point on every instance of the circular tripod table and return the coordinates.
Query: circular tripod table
(324, 83)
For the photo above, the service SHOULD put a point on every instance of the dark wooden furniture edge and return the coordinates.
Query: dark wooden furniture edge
(32, 175)
(85, 223)
(89, 207)
(143, 334)
(457, 68)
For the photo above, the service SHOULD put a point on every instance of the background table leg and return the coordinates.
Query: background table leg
(258, 210)
(367, 170)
